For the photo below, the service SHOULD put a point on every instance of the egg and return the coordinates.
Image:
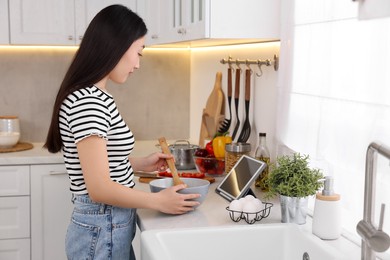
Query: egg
(236, 205)
(250, 197)
(242, 200)
(258, 203)
(251, 207)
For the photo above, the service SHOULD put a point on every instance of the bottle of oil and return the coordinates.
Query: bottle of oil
(262, 154)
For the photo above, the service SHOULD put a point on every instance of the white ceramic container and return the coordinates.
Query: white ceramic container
(9, 131)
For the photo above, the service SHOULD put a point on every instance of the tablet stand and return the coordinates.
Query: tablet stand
(249, 192)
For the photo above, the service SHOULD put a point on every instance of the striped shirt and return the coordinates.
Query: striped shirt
(91, 111)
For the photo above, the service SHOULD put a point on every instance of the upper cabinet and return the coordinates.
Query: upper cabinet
(41, 22)
(54, 22)
(63, 22)
(4, 32)
(192, 20)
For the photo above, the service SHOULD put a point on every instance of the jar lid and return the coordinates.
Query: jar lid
(238, 147)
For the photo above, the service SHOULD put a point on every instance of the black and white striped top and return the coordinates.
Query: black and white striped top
(91, 111)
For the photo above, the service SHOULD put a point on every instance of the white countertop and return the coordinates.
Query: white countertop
(212, 212)
(39, 155)
(36, 155)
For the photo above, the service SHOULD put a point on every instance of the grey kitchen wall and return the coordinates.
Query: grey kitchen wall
(154, 101)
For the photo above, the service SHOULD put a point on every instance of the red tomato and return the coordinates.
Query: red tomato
(183, 174)
(165, 174)
(209, 148)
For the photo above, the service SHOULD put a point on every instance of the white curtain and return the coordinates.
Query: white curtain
(334, 95)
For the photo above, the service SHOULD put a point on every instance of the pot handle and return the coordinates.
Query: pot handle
(176, 143)
(182, 141)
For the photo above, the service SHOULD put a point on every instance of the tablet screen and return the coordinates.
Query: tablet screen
(239, 180)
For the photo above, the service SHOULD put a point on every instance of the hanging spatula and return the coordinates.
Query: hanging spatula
(226, 123)
(171, 162)
(236, 99)
(246, 128)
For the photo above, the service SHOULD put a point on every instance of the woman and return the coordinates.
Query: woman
(96, 142)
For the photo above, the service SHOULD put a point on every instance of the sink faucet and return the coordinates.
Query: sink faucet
(373, 240)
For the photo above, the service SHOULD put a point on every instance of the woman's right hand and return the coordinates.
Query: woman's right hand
(172, 202)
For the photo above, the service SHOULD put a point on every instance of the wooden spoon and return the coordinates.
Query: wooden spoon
(171, 162)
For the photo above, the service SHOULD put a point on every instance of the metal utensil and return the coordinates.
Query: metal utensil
(226, 123)
(171, 162)
(236, 98)
(246, 128)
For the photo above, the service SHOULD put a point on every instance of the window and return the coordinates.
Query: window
(335, 96)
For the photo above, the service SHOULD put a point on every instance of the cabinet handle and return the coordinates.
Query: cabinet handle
(57, 173)
(70, 38)
(181, 31)
(154, 36)
(80, 37)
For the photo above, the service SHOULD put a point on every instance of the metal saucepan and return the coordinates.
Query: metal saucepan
(182, 151)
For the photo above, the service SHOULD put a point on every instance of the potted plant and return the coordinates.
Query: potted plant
(294, 181)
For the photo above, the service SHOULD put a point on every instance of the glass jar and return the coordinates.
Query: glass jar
(262, 154)
(233, 153)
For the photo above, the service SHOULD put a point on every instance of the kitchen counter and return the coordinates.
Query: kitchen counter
(36, 155)
(212, 212)
(39, 155)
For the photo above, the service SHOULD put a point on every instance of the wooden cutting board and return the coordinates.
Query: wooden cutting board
(149, 179)
(214, 112)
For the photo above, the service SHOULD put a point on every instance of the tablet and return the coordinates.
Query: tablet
(238, 181)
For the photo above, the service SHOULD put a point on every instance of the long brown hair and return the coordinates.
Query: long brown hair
(109, 35)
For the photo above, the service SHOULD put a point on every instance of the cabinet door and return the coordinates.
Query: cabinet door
(194, 19)
(15, 249)
(15, 180)
(14, 217)
(51, 209)
(184, 20)
(4, 26)
(86, 10)
(42, 22)
(151, 12)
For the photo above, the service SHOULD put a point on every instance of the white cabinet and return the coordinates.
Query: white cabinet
(190, 20)
(15, 249)
(41, 22)
(14, 212)
(51, 209)
(150, 11)
(187, 19)
(86, 10)
(54, 22)
(4, 32)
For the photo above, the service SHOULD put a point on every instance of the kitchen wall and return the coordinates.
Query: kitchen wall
(165, 97)
(205, 62)
(154, 101)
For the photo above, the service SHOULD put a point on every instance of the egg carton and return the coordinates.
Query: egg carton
(250, 218)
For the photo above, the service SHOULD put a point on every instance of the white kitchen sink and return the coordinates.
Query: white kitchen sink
(261, 241)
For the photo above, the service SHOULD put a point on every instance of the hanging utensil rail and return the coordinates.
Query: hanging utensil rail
(268, 62)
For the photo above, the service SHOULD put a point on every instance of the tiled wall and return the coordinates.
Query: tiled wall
(154, 101)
